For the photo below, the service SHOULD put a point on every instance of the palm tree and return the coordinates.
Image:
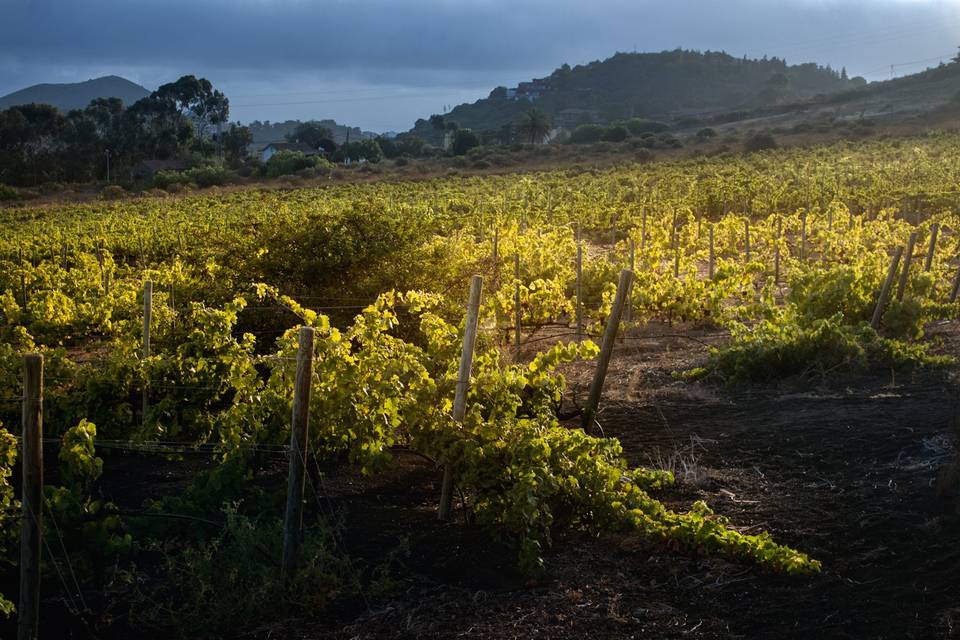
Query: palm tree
(536, 124)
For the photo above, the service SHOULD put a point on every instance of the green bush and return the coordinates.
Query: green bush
(587, 134)
(9, 193)
(615, 134)
(640, 126)
(285, 163)
(760, 142)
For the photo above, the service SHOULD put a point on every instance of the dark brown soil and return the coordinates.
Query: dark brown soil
(843, 468)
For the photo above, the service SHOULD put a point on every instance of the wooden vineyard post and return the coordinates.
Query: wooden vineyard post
(496, 255)
(606, 349)
(776, 252)
(932, 249)
(711, 260)
(885, 291)
(516, 302)
(956, 287)
(676, 260)
(299, 426)
(579, 290)
(23, 279)
(103, 273)
(907, 259)
(463, 382)
(613, 231)
(628, 309)
(32, 498)
(643, 231)
(803, 237)
(673, 230)
(746, 238)
(147, 318)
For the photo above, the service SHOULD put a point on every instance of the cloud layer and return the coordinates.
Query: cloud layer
(381, 63)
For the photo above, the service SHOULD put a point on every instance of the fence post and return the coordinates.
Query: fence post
(579, 290)
(463, 382)
(711, 261)
(907, 259)
(885, 291)
(299, 426)
(23, 278)
(956, 287)
(606, 350)
(147, 318)
(803, 237)
(32, 498)
(628, 311)
(746, 238)
(496, 255)
(643, 231)
(934, 232)
(516, 302)
(776, 252)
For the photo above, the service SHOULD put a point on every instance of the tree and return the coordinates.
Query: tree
(236, 141)
(535, 125)
(463, 141)
(313, 134)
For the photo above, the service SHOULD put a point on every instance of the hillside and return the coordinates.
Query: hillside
(76, 95)
(650, 85)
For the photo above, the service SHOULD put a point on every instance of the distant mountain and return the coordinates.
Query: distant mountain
(667, 85)
(76, 95)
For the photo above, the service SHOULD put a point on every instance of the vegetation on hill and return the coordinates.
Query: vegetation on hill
(78, 95)
(658, 85)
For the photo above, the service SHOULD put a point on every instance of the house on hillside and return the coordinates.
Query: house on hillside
(531, 91)
(276, 147)
(146, 169)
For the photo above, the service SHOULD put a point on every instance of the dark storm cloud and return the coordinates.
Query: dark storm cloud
(262, 49)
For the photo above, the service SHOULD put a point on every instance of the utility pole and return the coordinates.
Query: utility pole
(108, 166)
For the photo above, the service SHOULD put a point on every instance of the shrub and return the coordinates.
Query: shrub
(112, 192)
(285, 163)
(615, 134)
(760, 142)
(587, 134)
(706, 134)
(9, 193)
(639, 126)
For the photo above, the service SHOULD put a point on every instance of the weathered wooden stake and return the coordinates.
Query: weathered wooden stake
(932, 249)
(885, 291)
(579, 292)
(299, 433)
(643, 231)
(147, 317)
(746, 238)
(907, 259)
(803, 237)
(956, 287)
(776, 252)
(463, 382)
(628, 309)
(516, 302)
(606, 349)
(496, 255)
(31, 518)
(711, 261)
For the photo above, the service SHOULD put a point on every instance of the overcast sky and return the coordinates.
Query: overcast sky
(381, 64)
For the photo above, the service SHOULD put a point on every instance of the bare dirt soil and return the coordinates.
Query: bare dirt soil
(843, 468)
